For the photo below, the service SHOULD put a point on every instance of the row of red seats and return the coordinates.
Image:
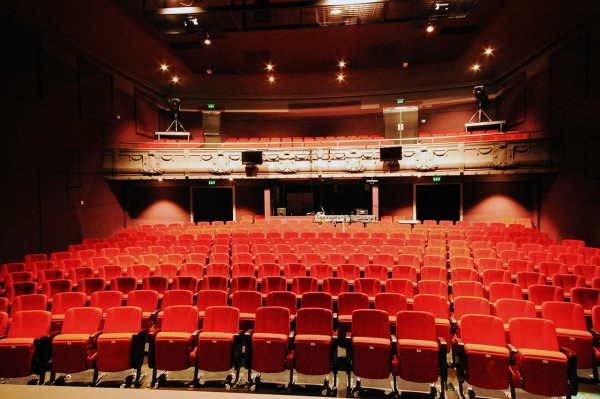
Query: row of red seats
(368, 352)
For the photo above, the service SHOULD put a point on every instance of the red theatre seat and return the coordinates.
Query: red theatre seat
(369, 354)
(314, 347)
(219, 344)
(24, 351)
(268, 343)
(73, 349)
(170, 347)
(538, 365)
(481, 353)
(120, 347)
(421, 355)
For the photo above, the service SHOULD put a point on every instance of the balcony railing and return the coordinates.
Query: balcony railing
(447, 155)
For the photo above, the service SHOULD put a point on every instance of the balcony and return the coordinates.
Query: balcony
(472, 154)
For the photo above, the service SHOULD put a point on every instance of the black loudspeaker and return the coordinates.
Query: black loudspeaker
(390, 153)
(252, 157)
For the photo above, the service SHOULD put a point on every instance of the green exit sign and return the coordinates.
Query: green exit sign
(211, 106)
(212, 182)
(399, 101)
(437, 179)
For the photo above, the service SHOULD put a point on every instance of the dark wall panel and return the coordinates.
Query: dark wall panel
(157, 204)
(511, 104)
(146, 113)
(490, 202)
(396, 199)
(95, 92)
(265, 125)
(249, 200)
(568, 72)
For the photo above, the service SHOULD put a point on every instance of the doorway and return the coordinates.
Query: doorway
(213, 204)
(438, 201)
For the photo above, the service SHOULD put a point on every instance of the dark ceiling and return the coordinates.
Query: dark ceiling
(383, 41)
(304, 36)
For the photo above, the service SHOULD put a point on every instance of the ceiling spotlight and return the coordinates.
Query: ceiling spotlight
(270, 67)
(479, 93)
(488, 51)
(340, 77)
(271, 79)
(429, 28)
(191, 24)
(476, 67)
(175, 79)
(207, 41)
(342, 64)
(164, 67)
(336, 11)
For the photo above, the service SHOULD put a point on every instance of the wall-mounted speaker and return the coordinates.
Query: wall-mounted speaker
(252, 157)
(390, 153)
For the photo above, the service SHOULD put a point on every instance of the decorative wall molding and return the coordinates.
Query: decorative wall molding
(498, 157)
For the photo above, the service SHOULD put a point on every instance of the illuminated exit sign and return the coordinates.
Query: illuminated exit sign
(437, 179)
(212, 182)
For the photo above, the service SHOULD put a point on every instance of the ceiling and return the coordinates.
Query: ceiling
(383, 42)
(307, 36)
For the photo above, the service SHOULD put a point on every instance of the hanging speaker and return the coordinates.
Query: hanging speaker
(252, 157)
(390, 153)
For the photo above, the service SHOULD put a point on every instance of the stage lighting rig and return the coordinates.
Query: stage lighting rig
(480, 120)
(175, 129)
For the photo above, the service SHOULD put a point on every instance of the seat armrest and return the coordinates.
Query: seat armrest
(513, 353)
(248, 348)
(333, 353)
(195, 334)
(138, 341)
(94, 338)
(238, 344)
(151, 348)
(443, 364)
(42, 354)
(154, 316)
(572, 370)
(459, 358)
(596, 337)
(453, 324)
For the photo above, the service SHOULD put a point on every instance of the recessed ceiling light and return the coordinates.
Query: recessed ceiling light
(342, 64)
(340, 77)
(207, 40)
(336, 11)
(429, 28)
(164, 67)
(175, 79)
(270, 67)
(476, 67)
(488, 51)
(271, 79)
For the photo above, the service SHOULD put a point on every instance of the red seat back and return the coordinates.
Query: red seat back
(124, 319)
